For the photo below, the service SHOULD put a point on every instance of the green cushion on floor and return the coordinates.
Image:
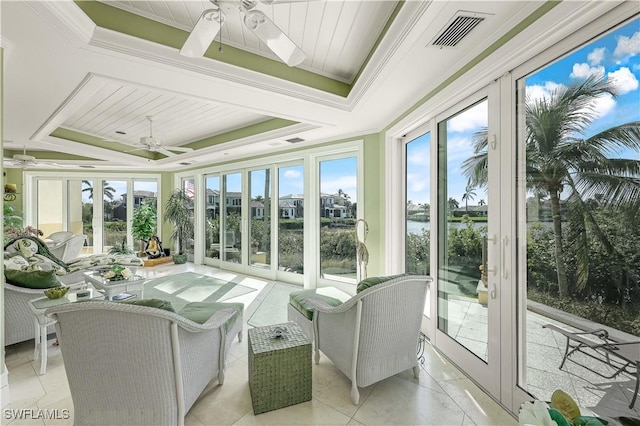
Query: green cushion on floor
(200, 312)
(298, 299)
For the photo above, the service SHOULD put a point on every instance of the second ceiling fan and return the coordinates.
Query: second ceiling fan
(255, 20)
(149, 143)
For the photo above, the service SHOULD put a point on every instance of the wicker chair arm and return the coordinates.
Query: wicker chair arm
(215, 322)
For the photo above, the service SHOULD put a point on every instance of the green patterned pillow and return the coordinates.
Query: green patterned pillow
(32, 279)
(26, 247)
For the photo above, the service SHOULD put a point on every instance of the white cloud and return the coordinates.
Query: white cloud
(624, 80)
(418, 186)
(292, 174)
(471, 119)
(537, 92)
(596, 56)
(628, 46)
(419, 157)
(347, 183)
(604, 105)
(585, 70)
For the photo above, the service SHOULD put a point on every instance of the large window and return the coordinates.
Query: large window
(291, 219)
(260, 218)
(98, 207)
(578, 190)
(338, 189)
(212, 216)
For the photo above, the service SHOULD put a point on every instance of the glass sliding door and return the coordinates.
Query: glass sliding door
(291, 219)
(337, 249)
(189, 186)
(114, 204)
(145, 197)
(468, 237)
(50, 210)
(417, 201)
(578, 260)
(231, 237)
(259, 212)
(88, 215)
(462, 302)
(212, 216)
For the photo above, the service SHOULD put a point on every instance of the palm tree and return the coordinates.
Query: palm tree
(469, 194)
(107, 191)
(481, 202)
(559, 158)
(452, 203)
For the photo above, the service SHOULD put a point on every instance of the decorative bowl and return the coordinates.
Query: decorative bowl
(56, 292)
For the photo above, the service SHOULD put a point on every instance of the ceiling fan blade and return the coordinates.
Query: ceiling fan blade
(267, 31)
(165, 152)
(203, 33)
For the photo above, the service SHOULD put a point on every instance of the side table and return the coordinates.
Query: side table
(279, 367)
(112, 288)
(38, 307)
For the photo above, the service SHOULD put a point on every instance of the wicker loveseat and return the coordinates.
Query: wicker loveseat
(139, 365)
(374, 334)
(30, 253)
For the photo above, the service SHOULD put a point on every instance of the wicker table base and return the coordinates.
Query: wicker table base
(279, 367)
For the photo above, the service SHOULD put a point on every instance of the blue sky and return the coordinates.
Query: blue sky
(616, 55)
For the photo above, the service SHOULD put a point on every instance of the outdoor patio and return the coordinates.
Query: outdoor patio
(545, 350)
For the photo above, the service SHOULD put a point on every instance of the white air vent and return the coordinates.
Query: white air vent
(459, 27)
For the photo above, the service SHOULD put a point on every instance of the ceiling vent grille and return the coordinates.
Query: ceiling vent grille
(294, 140)
(459, 27)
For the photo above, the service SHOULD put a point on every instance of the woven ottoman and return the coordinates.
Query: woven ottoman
(279, 367)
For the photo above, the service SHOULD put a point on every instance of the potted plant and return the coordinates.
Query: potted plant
(144, 223)
(178, 212)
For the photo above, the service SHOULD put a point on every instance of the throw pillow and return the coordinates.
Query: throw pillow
(151, 303)
(27, 247)
(32, 279)
(15, 262)
(200, 312)
(370, 282)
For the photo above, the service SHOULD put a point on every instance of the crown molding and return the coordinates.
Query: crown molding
(66, 17)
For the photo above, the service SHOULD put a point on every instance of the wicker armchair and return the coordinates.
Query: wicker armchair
(18, 317)
(373, 335)
(68, 249)
(137, 365)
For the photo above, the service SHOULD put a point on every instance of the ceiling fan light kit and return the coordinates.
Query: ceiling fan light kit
(211, 21)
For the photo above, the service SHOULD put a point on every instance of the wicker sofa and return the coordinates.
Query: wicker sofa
(374, 334)
(30, 253)
(139, 365)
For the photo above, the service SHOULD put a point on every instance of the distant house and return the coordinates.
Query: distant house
(334, 206)
(291, 206)
(139, 196)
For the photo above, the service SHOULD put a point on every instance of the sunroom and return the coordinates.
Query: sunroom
(493, 146)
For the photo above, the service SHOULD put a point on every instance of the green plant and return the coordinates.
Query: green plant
(121, 248)
(12, 221)
(179, 213)
(144, 223)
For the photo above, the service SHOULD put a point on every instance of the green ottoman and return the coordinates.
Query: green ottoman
(279, 367)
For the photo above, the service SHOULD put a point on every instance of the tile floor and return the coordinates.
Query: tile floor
(442, 395)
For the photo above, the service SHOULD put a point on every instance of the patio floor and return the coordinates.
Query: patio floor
(545, 350)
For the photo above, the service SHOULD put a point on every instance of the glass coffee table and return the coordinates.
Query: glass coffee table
(113, 288)
(39, 306)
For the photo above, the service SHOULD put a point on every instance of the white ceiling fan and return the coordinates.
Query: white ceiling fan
(23, 160)
(149, 143)
(255, 20)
